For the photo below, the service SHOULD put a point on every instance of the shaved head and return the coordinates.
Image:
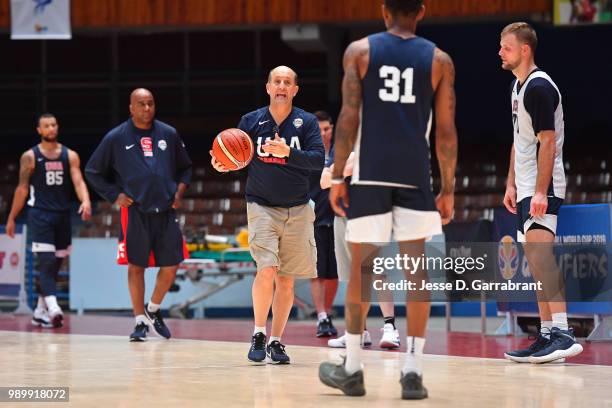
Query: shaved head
(140, 93)
(282, 69)
(142, 107)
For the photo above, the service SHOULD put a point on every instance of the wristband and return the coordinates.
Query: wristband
(337, 181)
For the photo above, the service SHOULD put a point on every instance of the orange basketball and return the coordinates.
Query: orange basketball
(233, 148)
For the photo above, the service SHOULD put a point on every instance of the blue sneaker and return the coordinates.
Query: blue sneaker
(140, 332)
(158, 323)
(257, 352)
(275, 353)
(562, 344)
(522, 356)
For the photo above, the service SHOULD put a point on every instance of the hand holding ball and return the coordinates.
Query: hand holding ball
(232, 150)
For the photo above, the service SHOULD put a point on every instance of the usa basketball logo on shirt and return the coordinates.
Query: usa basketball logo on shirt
(147, 146)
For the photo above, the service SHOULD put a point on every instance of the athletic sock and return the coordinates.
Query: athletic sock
(153, 307)
(322, 316)
(140, 319)
(353, 351)
(51, 302)
(259, 330)
(545, 327)
(41, 303)
(414, 355)
(559, 320)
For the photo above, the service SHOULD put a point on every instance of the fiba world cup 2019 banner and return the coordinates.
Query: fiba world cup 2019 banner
(40, 20)
(583, 254)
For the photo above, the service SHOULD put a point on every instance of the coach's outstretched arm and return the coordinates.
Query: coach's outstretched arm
(99, 171)
(443, 77)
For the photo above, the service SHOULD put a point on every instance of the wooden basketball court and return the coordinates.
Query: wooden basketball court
(109, 371)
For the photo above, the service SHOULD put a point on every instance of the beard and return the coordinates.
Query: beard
(49, 138)
(509, 66)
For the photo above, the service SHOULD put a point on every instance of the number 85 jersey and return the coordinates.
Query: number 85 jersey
(50, 183)
(392, 147)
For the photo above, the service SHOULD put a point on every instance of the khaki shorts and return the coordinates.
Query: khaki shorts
(283, 238)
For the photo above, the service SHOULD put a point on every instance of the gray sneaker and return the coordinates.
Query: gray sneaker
(412, 386)
(335, 376)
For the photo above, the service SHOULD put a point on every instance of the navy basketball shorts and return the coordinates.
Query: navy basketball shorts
(150, 239)
(50, 231)
(326, 257)
(380, 214)
(547, 221)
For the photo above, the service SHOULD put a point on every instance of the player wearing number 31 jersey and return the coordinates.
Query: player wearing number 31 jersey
(391, 81)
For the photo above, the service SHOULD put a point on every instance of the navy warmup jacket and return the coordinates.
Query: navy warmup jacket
(283, 181)
(146, 165)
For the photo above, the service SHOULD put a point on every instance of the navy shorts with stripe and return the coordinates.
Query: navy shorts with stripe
(49, 231)
(379, 214)
(526, 222)
(156, 233)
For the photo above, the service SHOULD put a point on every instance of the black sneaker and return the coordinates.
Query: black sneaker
(522, 355)
(275, 353)
(562, 344)
(335, 376)
(324, 328)
(332, 329)
(158, 323)
(257, 352)
(412, 386)
(140, 332)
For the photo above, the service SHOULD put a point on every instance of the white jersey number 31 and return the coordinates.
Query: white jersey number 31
(393, 77)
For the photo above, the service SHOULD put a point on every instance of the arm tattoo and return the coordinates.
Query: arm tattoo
(446, 134)
(348, 121)
(25, 169)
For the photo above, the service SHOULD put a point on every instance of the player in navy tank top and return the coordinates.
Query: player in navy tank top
(48, 173)
(391, 81)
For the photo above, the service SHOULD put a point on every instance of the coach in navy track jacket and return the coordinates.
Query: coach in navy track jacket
(142, 166)
(119, 165)
(281, 234)
(282, 181)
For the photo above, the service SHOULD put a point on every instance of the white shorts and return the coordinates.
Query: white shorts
(401, 224)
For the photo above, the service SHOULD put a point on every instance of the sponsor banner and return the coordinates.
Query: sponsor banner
(40, 20)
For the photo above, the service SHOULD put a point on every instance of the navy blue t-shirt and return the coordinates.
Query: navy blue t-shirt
(146, 165)
(282, 181)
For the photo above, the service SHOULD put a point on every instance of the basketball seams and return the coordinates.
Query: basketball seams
(251, 147)
(234, 147)
(226, 152)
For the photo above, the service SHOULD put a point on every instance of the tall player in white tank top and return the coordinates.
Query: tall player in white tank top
(536, 188)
